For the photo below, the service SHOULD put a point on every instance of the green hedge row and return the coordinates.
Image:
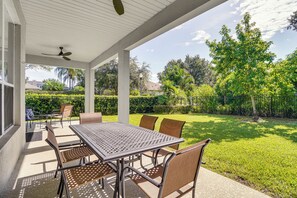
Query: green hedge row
(108, 105)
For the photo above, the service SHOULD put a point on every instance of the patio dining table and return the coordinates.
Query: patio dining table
(113, 141)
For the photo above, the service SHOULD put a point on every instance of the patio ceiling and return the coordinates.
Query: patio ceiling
(86, 28)
(94, 32)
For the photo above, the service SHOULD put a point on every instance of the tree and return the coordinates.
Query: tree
(38, 67)
(52, 85)
(67, 75)
(176, 82)
(200, 69)
(107, 76)
(244, 60)
(293, 21)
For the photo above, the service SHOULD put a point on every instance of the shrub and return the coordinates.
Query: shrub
(109, 92)
(52, 85)
(134, 92)
(78, 89)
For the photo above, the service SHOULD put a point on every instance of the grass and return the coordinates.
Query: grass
(260, 155)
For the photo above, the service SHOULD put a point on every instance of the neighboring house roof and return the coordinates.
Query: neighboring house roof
(31, 87)
(35, 83)
(151, 86)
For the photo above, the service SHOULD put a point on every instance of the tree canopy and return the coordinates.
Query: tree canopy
(52, 85)
(107, 76)
(242, 61)
(293, 21)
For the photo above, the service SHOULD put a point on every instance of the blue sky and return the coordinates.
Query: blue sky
(189, 38)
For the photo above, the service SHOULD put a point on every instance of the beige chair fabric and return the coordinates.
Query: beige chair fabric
(148, 122)
(177, 176)
(65, 112)
(85, 118)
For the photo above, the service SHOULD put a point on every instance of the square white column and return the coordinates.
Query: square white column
(89, 90)
(123, 86)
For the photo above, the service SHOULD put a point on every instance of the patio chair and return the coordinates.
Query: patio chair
(31, 116)
(64, 112)
(75, 176)
(176, 177)
(148, 122)
(85, 118)
(169, 127)
(73, 153)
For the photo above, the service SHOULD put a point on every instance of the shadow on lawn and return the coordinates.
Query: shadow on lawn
(233, 129)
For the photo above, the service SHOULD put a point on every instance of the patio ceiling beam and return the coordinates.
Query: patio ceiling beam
(175, 14)
(42, 60)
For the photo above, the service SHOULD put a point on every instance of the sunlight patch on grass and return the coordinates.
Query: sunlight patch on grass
(261, 155)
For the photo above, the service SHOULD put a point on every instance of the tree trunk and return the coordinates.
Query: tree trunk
(255, 114)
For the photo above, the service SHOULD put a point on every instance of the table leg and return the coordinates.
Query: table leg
(116, 187)
(122, 179)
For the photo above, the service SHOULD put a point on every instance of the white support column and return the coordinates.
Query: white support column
(89, 90)
(123, 86)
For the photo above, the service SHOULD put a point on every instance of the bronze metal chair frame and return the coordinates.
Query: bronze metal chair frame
(166, 164)
(63, 181)
(61, 113)
(156, 152)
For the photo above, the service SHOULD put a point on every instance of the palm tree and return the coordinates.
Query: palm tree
(67, 75)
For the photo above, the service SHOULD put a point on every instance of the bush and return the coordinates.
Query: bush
(52, 85)
(109, 92)
(78, 89)
(108, 105)
(169, 109)
(134, 92)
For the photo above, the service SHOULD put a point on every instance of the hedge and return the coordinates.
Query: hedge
(267, 106)
(108, 105)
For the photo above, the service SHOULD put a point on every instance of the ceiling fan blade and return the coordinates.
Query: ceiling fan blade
(67, 54)
(50, 54)
(66, 58)
(118, 6)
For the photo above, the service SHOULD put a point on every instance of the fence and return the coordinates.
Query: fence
(267, 106)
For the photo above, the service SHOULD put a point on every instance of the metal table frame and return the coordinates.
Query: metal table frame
(114, 141)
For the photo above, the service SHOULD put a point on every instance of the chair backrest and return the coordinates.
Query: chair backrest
(182, 168)
(66, 110)
(148, 122)
(29, 114)
(173, 128)
(85, 118)
(52, 141)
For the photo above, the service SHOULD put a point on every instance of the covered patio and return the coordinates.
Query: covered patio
(34, 176)
(95, 34)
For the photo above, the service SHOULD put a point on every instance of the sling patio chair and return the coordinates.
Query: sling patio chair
(169, 127)
(71, 154)
(175, 177)
(74, 176)
(64, 112)
(86, 118)
(148, 122)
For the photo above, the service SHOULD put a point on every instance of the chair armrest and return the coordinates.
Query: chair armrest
(152, 181)
(167, 156)
(77, 166)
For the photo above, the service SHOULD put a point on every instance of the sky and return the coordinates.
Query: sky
(189, 38)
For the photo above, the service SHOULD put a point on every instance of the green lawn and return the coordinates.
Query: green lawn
(260, 155)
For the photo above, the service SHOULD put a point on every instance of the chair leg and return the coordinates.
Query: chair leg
(56, 173)
(103, 180)
(62, 189)
(141, 164)
(60, 185)
(61, 123)
(193, 193)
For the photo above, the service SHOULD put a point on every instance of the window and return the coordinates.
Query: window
(6, 69)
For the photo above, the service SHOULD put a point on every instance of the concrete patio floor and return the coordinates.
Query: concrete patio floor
(34, 176)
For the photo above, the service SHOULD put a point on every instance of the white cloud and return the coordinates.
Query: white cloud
(270, 15)
(201, 36)
(187, 43)
(154, 78)
(150, 50)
